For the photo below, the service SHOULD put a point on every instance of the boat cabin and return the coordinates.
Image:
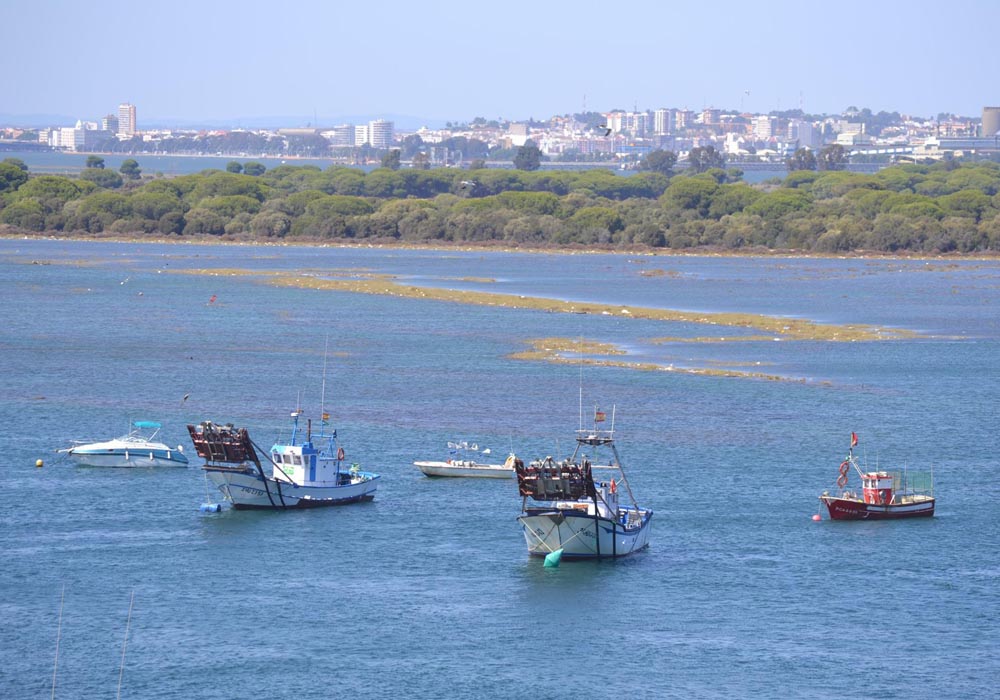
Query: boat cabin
(303, 464)
(877, 487)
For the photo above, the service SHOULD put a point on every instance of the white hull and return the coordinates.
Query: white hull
(581, 536)
(134, 457)
(244, 488)
(465, 468)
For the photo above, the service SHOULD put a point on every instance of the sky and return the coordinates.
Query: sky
(322, 62)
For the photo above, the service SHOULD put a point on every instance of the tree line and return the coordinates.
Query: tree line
(928, 208)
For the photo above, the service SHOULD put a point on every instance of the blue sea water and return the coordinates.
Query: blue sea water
(427, 592)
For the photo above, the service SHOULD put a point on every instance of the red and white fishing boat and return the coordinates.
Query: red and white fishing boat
(884, 494)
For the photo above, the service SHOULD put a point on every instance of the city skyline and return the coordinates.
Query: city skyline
(240, 63)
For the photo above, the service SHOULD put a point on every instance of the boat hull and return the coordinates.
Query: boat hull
(466, 469)
(856, 509)
(581, 535)
(245, 489)
(103, 457)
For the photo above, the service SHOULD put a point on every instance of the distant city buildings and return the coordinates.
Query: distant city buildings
(616, 136)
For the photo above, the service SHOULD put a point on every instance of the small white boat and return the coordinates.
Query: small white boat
(139, 448)
(576, 514)
(302, 475)
(462, 465)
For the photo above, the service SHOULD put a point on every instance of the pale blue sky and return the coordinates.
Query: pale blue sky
(453, 61)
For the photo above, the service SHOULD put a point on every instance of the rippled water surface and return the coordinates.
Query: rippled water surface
(427, 592)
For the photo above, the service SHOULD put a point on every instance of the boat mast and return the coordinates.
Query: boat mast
(55, 666)
(128, 623)
(322, 392)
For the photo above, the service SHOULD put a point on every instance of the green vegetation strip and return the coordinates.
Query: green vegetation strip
(783, 328)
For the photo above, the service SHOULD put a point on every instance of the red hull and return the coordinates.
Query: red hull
(853, 509)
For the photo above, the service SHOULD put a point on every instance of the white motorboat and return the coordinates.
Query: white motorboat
(139, 448)
(461, 464)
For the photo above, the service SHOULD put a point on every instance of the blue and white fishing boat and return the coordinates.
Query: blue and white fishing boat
(575, 512)
(305, 472)
(139, 448)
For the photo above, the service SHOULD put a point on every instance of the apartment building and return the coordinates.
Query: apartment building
(126, 120)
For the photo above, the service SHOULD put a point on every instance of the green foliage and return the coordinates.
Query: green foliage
(529, 157)
(98, 211)
(130, 169)
(219, 184)
(253, 168)
(152, 204)
(17, 163)
(832, 157)
(774, 205)
(107, 179)
(234, 166)
(659, 161)
(392, 160)
(204, 221)
(52, 192)
(732, 199)
(801, 178)
(339, 205)
(705, 158)
(690, 193)
(941, 208)
(11, 177)
(26, 213)
(802, 159)
(229, 206)
(974, 204)
(95, 162)
(529, 202)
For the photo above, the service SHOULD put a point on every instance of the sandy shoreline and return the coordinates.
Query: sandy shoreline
(489, 248)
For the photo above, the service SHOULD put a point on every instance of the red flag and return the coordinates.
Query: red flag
(854, 439)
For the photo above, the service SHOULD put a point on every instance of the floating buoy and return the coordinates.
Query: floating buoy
(552, 558)
(211, 508)
(817, 517)
(39, 463)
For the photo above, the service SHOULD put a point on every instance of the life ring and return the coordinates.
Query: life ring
(340, 454)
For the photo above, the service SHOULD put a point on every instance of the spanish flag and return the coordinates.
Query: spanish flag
(854, 439)
(599, 416)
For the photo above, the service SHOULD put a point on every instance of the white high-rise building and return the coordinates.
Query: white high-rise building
(663, 122)
(342, 135)
(380, 133)
(126, 120)
(360, 135)
(763, 126)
